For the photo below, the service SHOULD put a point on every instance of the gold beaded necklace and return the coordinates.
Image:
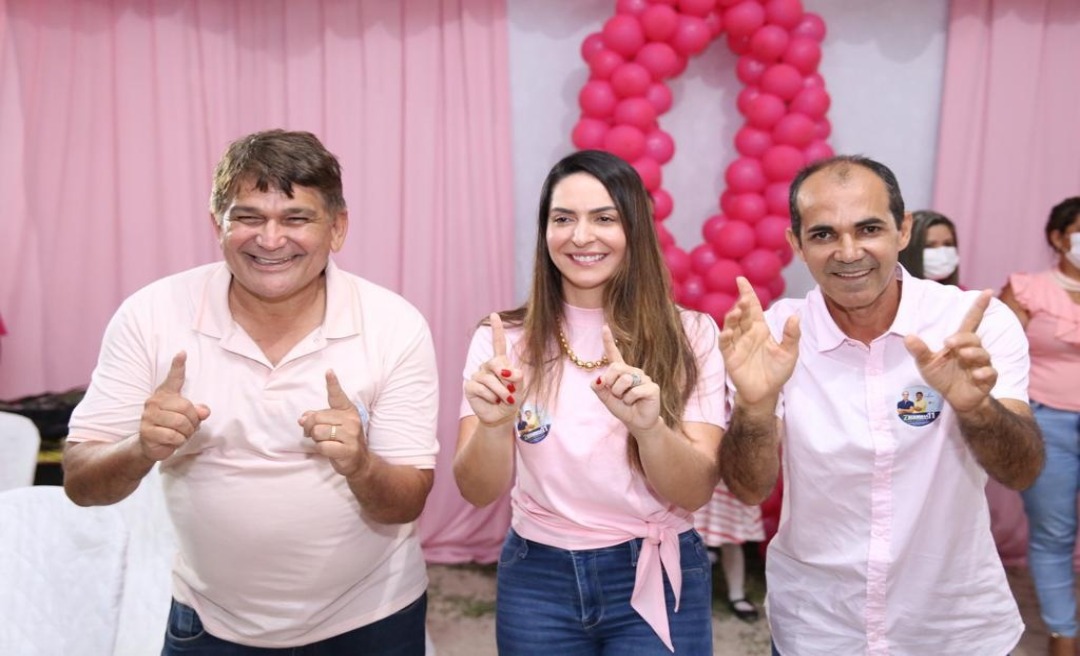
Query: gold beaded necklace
(588, 365)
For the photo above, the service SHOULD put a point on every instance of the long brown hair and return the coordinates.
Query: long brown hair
(638, 303)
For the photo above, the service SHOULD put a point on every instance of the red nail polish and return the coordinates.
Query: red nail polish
(599, 380)
(498, 401)
(510, 400)
(510, 388)
(505, 373)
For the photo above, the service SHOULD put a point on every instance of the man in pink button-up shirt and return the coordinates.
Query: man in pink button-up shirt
(884, 544)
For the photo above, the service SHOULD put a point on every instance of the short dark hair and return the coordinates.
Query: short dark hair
(1062, 216)
(843, 164)
(912, 256)
(277, 159)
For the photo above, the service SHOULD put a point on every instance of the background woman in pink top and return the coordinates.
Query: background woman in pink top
(1048, 304)
(602, 402)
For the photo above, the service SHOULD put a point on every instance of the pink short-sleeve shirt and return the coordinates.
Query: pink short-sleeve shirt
(273, 548)
(884, 543)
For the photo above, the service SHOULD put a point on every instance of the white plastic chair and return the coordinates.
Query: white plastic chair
(19, 444)
(62, 569)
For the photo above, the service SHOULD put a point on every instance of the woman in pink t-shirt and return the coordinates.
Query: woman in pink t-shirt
(601, 401)
(1048, 305)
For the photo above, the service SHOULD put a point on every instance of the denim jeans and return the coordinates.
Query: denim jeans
(401, 634)
(577, 603)
(1051, 510)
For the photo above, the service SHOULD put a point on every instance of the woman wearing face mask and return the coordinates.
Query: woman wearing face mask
(931, 253)
(1048, 305)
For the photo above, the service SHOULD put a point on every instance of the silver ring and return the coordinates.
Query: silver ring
(635, 380)
(333, 431)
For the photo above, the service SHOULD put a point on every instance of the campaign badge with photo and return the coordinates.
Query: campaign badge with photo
(532, 424)
(918, 405)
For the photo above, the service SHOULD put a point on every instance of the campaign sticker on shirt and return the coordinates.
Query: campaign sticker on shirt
(918, 405)
(532, 423)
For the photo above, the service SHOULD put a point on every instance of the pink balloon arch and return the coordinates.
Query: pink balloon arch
(784, 103)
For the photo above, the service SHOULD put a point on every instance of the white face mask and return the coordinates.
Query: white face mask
(1073, 256)
(939, 263)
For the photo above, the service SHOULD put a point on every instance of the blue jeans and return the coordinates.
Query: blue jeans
(1051, 510)
(577, 603)
(401, 634)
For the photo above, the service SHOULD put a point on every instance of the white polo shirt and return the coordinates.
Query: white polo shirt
(273, 548)
(884, 543)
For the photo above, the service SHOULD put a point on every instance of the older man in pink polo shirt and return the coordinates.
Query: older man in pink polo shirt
(292, 408)
(884, 543)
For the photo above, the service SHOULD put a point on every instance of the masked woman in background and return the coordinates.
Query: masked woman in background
(931, 254)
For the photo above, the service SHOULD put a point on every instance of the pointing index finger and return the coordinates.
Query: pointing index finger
(974, 315)
(334, 394)
(498, 335)
(174, 380)
(611, 349)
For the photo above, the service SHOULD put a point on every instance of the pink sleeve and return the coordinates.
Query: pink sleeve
(480, 351)
(707, 402)
(1025, 288)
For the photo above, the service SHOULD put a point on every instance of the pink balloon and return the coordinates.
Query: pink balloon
(623, 34)
(822, 128)
(633, 7)
(740, 45)
(693, 288)
(662, 235)
(776, 286)
(785, 254)
(765, 110)
(678, 262)
(782, 80)
(630, 79)
(769, 43)
(701, 258)
(735, 240)
(597, 99)
(745, 207)
(605, 62)
(592, 44)
(804, 54)
(749, 69)
(696, 7)
(715, 22)
(743, 19)
(659, 59)
(691, 35)
(637, 112)
(721, 277)
(659, 22)
(662, 204)
(812, 101)
(626, 141)
(745, 174)
(776, 198)
(660, 96)
(649, 171)
(812, 26)
(752, 142)
(659, 145)
(669, 3)
(716, 305)
(589, 134)
(761, 266)
(817, 150)
(784, 13)
(743, 100)
(794, 130)
(814, 80)
(782, 162)
(711, 228)
(771, 232)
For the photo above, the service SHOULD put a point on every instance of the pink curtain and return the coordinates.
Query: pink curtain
(113, 113)
(1008, 150)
